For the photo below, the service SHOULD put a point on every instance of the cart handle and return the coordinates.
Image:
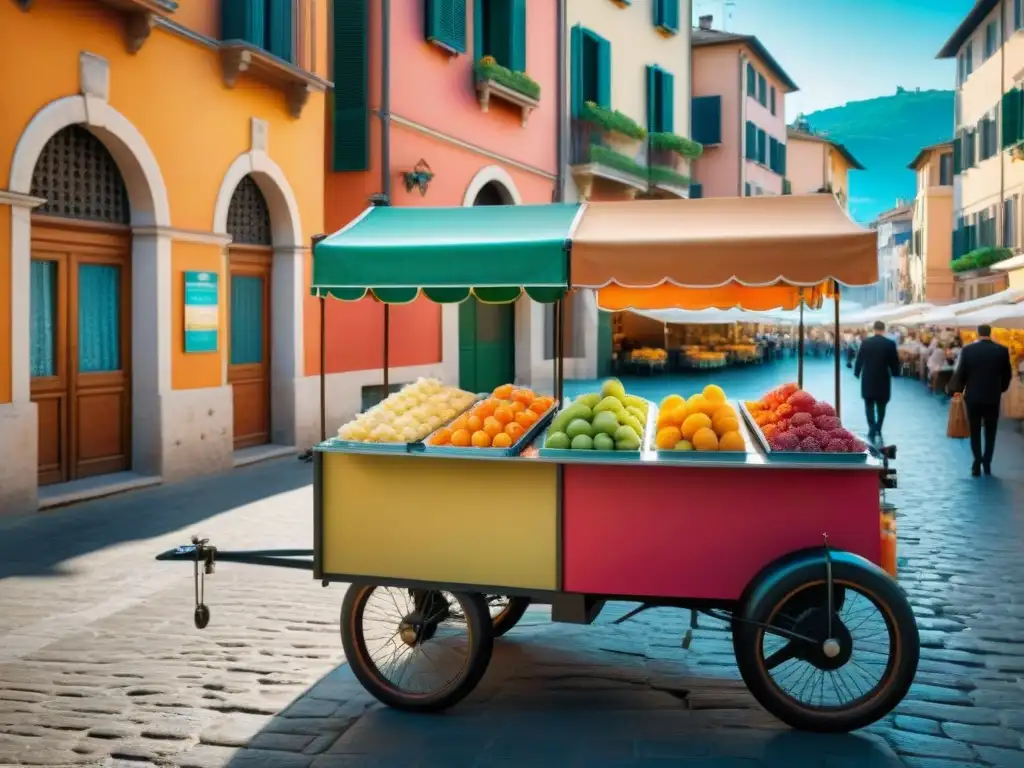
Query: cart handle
(301, 559)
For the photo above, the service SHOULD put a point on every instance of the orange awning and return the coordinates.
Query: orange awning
(730, 245)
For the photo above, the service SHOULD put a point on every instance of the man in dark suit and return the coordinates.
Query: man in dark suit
(877, 362)
(983, 374)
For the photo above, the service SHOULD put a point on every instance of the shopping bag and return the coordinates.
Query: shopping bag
(1013, 400)
(957, 426)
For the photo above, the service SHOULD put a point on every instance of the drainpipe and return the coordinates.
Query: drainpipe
(1000, 215)
(558, 194)
(385, 151)
(742, 126)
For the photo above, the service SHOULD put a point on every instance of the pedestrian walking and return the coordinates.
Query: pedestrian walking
(877, 362)
(983, 374)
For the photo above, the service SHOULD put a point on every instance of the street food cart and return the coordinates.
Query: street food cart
(786, 548)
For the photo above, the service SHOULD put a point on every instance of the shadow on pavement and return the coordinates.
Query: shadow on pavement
(35, 545)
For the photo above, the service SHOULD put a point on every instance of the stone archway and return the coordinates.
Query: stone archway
(286, 279)
(150, 262)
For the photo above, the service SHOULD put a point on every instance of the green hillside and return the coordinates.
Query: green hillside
(885, 134)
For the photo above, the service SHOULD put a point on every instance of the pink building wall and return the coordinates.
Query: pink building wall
(716, 72)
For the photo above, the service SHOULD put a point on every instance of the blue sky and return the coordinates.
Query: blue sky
(847, 50)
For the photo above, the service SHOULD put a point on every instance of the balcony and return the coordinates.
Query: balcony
(605, 159)
(667, 171)
(139, 17)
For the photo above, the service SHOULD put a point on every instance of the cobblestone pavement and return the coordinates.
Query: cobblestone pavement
(100, 664)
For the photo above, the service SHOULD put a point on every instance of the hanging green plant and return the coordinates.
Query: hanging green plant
(669, 176)
(611, 120)
(980, 258)
(682, 146)
(617, 160)
(488, 68)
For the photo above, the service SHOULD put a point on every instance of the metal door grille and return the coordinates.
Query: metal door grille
(79, 179)
(248, 215)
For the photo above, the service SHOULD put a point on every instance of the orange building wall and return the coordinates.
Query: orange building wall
(5, 305)
(716, 72)
(205, 369)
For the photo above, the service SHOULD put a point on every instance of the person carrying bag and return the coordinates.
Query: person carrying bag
(957, 425)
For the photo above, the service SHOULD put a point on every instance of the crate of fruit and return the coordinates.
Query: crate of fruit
(500, 424)
(605, 425)
(790, 425)
(403, 418)
(704, 427)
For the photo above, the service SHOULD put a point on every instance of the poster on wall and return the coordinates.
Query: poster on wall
(202, 316)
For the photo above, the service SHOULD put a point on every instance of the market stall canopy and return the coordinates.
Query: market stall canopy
(888, 313)
(947, 315)
(710, 252)
(817, 317)
(1009, 316)
(492, 252)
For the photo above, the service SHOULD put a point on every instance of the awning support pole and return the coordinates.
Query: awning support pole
(323, 375)
(800, 345)
(387, 347)
(837, 351)
(559, 347)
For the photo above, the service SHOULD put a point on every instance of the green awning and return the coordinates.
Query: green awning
(492, 252)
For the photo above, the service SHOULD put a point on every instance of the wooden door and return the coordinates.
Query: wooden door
(486, 345)
(249, 350)
(80, 348)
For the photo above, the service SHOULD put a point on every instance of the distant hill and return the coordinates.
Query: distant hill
(885, 134)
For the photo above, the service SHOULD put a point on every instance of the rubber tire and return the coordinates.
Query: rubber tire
(871, 579)
(478, 619)
(507, 619)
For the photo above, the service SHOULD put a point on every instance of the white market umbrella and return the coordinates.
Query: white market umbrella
(887, 313)
(1009, 316)
(948, 314)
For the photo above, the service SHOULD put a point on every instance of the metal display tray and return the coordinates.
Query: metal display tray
(568, 454)
(797, 456)
(337, 444)
(513, 450)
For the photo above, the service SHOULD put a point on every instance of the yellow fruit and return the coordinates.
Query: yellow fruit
(693, 423)
(714, 393)
(670, 402)
(667, 438)
(722, 411)
(725, 424)
(732, 441)
(694, 403)
(705, 440)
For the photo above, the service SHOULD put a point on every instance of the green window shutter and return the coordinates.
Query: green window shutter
(351, 130)
(696, 190)
(751, 143)
(576, 70)
(604, 73)
(280, 37)
(652, 99)
(667, 102)
(751, 80)
(772, 99)
(957, 143)
(706, 114)
(1009, 115)
(773, 154)
(762, 90)
(762, 146)
(782, 158)
(506, 33)
(517, 35)
(445, 23)
(666, 15)
(244, 21)
(746, 189)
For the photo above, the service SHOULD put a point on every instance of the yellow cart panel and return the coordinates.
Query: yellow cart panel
(492, 523)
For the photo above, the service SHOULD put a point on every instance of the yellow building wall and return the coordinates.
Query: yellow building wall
(635, 44)
(937, 246)
(1016, 278)
(805, 165)
(173, 92)
(839, 171)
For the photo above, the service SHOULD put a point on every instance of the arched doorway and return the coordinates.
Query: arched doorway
(250, 259)
(487, 332)
(80, 309)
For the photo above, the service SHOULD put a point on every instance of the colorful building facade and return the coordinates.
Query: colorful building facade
(739, 108)
(931, 247)
(817, 164)
(437, 103)
(160, 180)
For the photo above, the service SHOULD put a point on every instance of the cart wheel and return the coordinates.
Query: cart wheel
(844, 674)
(416, 650)
(506, 612)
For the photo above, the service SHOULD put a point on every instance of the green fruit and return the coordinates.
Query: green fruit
(603, 442)
(626, 439)
(613, 388)
(582, 443)
(639, 402)
(640, 414)
(631, 421)
(590, 399)
(574, 411)
(558, 440)
(605, 421)
(609, 404)
(684, 445)
(579, 427)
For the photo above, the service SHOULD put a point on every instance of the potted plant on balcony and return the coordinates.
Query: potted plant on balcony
(611, 129)
(980, 258)
(516, 88)
(669, 158)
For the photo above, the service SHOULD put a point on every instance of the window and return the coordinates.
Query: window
(660, 104)
(1016, 15)
(991, 39)
(762, 90)
(762, 147)
(350, 138)
(706, 116)
(771, 100)
(1010, 222)
(696, 190)
(1012, 117)
(499, 30)
(266, 25)
(750, 146)
(446, 24)
(591, 69)
(989, 138)
(969, 59)
(746, 189)
(751, 80)
(946, 169)
(666, 15)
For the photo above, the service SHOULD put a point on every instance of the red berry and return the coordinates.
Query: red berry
(801, 418)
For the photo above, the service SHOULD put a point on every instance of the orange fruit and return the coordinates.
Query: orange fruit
(459, 423)
(705, 440)
(443, 436)
(517, 407)
(726, 424)
(501, 440)
(481, 439)
(527, 419)
(731, 441)
(524, 396)
(484, 410)
(667, 438)
(492, 426)
(515, 431)
(475, 423)
(503, 414)
(693, 424)
(504, 391)
(461, 438)
(544, 403)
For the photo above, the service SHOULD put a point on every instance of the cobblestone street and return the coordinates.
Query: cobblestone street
(100, 664)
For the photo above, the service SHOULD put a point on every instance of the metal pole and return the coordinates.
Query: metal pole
(800, 345)
(837, 351)
(323, 377)
(559, 347)
(387, 346)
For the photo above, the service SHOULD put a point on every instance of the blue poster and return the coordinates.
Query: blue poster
(202, 314)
